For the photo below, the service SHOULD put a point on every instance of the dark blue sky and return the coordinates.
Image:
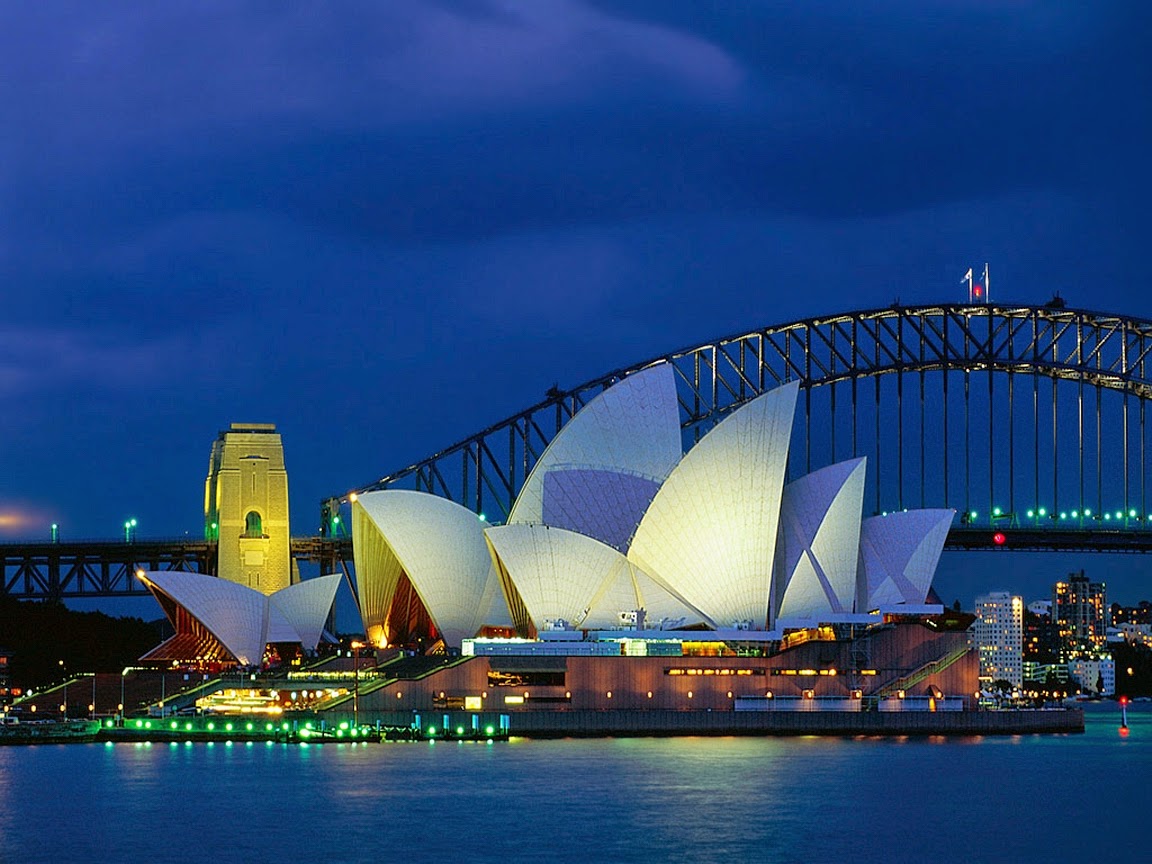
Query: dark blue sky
(383, 226)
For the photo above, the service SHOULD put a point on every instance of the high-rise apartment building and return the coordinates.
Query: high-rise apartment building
(998, 635)
(1080, 610)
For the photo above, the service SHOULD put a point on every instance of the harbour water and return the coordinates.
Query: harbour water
(1049, 798)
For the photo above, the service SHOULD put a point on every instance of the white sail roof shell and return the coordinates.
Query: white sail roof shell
(710, 533)
(631, 428)
(818, 552)
(899, 553)
(235, 614)
(564, 576)
(305, 607)
(440, 546)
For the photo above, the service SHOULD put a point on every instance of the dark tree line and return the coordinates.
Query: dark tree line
(40, 635)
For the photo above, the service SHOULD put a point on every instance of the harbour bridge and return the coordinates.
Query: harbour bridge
(1030, 421)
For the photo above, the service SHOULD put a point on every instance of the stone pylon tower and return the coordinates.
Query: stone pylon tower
(246, 507)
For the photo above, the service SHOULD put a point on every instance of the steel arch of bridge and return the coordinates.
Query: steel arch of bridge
(1038, 412)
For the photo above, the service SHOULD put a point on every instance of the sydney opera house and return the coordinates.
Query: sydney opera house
(617, 528)
(631, 574)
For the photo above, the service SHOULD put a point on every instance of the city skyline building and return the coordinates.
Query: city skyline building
(998, 635)
(1080, 611)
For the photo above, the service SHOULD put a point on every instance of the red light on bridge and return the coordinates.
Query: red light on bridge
(999, 538)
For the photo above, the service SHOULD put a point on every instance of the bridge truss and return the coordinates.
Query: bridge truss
(37, 571)
(1030, 417)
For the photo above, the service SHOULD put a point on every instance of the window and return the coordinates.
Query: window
(253, 527)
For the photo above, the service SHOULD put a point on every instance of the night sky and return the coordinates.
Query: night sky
(384, 226)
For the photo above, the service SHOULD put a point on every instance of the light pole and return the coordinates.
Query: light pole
(92, 704)
(356, 646)
(64, 704)
(122, 675)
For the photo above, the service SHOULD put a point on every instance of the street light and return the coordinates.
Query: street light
(127, 669)
(356, 646)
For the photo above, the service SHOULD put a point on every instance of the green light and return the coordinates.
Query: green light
(1043, 512)
(996, 511)
(1119, 514)
(304, 733)
(307, 725)
(211, 726)
(488, 730)
(268, 727)
(107, 722)
(173, 725)
(973, 514)
(339, 733)
(1075, 514)
(1063, 515)
(483, 518)
(249, 727)
(1087, 512)
(1107, 515)
(139, 724)
(431, 731)
(285, 727)
(188, 727)
(228, 727)
(147, 724)
(1132, 514)
(1031, 513)
(344, 725)
(459, 730)
(352, 732)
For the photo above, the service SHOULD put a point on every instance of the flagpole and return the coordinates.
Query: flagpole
(986, 288)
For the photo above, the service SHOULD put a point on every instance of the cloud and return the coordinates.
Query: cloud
(37, 361)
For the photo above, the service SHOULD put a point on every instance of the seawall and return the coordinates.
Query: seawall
(593, 724)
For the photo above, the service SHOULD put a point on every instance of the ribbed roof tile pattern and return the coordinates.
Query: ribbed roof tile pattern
(234, 614)
(564, 576)
(819, 541)
(632, 428)
(899, 553)
(305, 607)
(440, 546)
(710, 533)
(607, 505)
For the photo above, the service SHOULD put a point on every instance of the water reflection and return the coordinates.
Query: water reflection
(863, 799)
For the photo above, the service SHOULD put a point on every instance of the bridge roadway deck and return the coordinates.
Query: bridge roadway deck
(36, 571)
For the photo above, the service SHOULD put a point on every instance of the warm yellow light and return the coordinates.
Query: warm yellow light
(353, 497)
